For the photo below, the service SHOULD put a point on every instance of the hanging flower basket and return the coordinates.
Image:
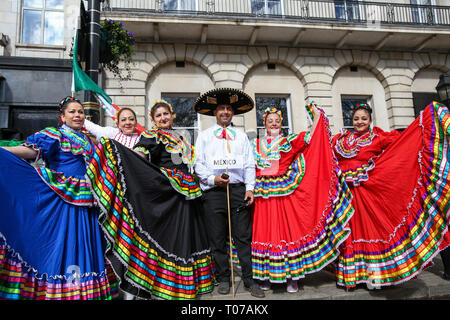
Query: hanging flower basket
(116, 45)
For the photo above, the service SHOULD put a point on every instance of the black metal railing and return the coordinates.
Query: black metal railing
(332, 11)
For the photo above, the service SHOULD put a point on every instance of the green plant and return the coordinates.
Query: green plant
(116, 45)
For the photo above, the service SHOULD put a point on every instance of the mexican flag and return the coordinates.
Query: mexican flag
(81, 81)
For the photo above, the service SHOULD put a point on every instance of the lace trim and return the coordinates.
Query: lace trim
(348, 144)
(173, 143)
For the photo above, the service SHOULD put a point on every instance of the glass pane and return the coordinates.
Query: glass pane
(187, 5)
(266, 7)
(258, 6)
(33, 3)
(347, 110)
(263, 102)
(274, 7)
(54, 28)
(31, 32)
(170, 5)
(185, 118)
(339, 8)
(54, 4)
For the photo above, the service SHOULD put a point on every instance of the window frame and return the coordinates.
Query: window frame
(179, 7)
(42, 10)
(368, 99)
(266, 10)
(195, 129)
(289, 127)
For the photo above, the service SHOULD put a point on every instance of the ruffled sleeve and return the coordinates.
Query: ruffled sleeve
(299, 141)
(43, 144)
(386, 138)
(147, 144)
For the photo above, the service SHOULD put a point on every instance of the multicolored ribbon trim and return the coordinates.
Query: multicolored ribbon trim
(264, 151)
(348, 143)
(359, 174)
(416, 241)
(72, 190)
(282, 185)
(19, 282)
(174, 143)
(147, 266)
(78, 144)
(315, 251)
(183, 183)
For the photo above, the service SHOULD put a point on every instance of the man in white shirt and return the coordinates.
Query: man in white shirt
(226, 149)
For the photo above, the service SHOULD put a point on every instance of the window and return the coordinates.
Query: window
(189, 5)
(261, 7)
(422, 11)
(347, 10)
(280, 102)
(186, 118)
(43, 22)
(30, 120)
(348, 103)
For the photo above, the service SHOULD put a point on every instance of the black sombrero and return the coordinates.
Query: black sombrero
(237, 99)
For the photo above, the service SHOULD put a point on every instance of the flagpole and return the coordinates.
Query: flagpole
(229, 218)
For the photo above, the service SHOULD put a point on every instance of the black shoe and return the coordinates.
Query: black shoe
(255, 290)
(446, 276)
(224, 288)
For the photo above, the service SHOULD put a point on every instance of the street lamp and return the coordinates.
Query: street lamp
(443, 89)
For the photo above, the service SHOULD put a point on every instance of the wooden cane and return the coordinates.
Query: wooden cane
(229, 218)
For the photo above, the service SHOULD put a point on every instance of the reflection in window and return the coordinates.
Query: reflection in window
(347, 10)
(43, 22)
(31, 32)
(180, 5)
(186, 118)
(54, 27)
(280, 102)
(33, 3)
(261, 7)
(348, 104)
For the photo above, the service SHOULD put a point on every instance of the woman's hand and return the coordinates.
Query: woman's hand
(316, 112)
(249, 195)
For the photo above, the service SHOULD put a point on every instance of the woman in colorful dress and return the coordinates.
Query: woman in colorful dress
(126, 131)
(301, 206)
(51, 246)
(152, 214)
(400, 190)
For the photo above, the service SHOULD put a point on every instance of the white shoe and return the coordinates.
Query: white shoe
(292, 286)
(265, 285)
(127, 296)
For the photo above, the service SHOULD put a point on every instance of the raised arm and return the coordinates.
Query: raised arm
(316, 115)
(99, 131)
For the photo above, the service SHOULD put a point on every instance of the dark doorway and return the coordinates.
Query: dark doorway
(422, 99)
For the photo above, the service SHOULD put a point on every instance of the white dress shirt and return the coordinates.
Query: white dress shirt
(128, 140)
(208, 147)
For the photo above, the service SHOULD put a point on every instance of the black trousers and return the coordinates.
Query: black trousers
(216, 218)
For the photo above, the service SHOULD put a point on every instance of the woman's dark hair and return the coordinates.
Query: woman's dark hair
(363, 106)
(159, 105)
(62, 105)
(123, 109)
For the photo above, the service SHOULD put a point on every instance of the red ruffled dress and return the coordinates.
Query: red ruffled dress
(301, 206)
(400, 190)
